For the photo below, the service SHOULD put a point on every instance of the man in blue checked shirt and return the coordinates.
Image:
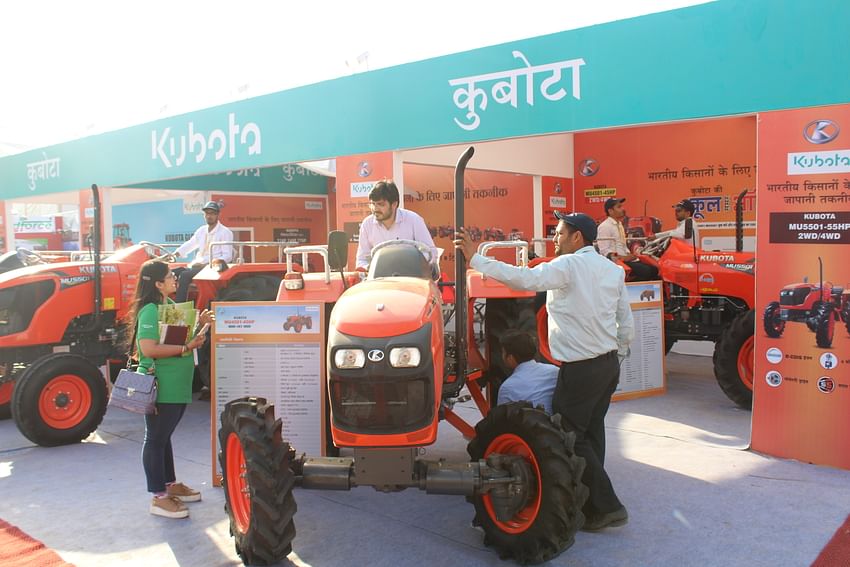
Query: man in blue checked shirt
(530, 380)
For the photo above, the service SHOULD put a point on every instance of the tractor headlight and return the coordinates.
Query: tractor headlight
(349, 358)
(404, 357)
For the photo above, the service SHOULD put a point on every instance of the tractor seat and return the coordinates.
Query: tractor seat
(395, 261)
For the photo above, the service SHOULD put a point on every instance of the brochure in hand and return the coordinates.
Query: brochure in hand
(176, 320)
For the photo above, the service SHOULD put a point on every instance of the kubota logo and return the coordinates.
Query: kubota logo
(364, 169)
(821, 131)
(375, 355)
(588, 167)
(167, 147)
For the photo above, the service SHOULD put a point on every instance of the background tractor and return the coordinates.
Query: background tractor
(390, 382)
(820, 306)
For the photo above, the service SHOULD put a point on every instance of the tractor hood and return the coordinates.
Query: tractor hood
(385, 307)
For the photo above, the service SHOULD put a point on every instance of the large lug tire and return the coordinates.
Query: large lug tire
(825, 328)
(260, 287)
(814, 316)
(845, 314)
(257, 478)
(547, 525)
(59, 399)
(733, 360)
(773, 324)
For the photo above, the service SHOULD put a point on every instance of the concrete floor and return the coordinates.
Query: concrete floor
(695, 495)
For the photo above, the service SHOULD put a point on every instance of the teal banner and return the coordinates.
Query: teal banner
(722, 58)
(286, 179)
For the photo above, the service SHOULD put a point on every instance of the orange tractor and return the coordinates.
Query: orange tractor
(819, 305)
(391, 380)
(297, 323)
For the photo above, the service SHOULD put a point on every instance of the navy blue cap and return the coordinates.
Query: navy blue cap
(687, 205)
(585, 224)
(611, 202)
(211, 206)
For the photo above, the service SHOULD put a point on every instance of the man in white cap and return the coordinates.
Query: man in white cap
(211, 231)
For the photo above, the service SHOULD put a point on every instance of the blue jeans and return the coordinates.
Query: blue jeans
(157, 456)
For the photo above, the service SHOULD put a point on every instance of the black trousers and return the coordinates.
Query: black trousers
(582, 397)
(184, 279)
(642, 272)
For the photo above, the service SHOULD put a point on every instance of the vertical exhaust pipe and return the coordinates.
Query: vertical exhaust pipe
(460, 271)
(739, 221)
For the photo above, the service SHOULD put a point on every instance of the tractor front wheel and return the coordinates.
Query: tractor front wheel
(825, 327)
(733, 359)
(773, 323)
(257, 478)
(59, 399)
(551, 515)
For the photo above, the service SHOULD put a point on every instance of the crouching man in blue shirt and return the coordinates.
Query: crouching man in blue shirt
(530, 380)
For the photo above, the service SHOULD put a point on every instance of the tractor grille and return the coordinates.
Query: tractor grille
(382, 407)
(19, 303)
(796, 296)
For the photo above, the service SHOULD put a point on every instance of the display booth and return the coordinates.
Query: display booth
(731, 101)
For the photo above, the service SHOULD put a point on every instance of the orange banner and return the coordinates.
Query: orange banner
(294, 219)
(801, 406)
(557, 196)
(653, 167)
(355, 177)
(498, 206)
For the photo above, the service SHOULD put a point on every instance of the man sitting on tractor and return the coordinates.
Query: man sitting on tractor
(611, 240)
(212, 231)
(684, 210)
(530, 381)
(388, 222)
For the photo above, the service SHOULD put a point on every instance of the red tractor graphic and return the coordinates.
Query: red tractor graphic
(298, 322)
(819, 305)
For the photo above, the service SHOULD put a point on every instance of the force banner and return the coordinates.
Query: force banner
(801, 406)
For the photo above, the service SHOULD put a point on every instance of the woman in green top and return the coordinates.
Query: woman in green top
(174, 366)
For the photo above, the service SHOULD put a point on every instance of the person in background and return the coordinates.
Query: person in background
(684, 210)
(611, 240)
(590, 330)
(211, 231)
(529, 380)
(388, 222)
(174, 367)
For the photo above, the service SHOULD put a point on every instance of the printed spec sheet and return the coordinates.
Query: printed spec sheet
(273, 351)
(642, 373)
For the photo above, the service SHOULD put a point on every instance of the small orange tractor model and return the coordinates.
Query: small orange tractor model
(59, 323)
(297, 323)
(390, 382)
(819, 305)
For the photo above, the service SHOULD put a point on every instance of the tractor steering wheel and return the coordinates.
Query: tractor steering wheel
(153, 250)
(29, 257)
(656, 247)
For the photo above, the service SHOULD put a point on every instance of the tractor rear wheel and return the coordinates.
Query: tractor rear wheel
(773, 323)
(257, 478)
(551, 516)
(825, 328)
(733, 359)
(59, 399)
(845, 314)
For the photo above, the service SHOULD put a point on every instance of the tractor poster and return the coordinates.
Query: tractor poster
(709, 162)
(801, 402)
(275, 351)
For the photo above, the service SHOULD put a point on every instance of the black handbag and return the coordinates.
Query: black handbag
(134, 391)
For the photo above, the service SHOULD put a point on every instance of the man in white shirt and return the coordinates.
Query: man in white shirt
(611, 241)
(684, 210)
(530, 380)
(212, 231)
(590, 330)
(388, 222)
